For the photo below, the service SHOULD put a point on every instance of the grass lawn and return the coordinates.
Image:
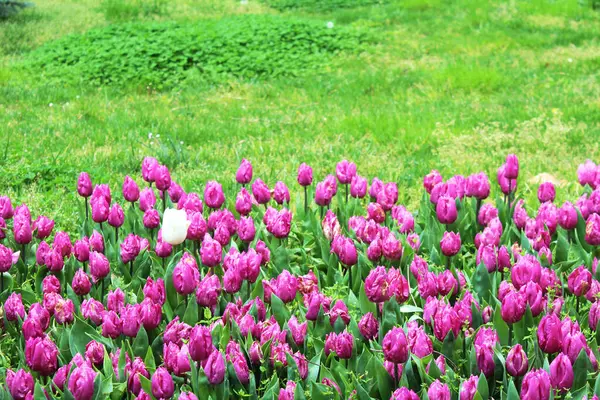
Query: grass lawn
(453, 85)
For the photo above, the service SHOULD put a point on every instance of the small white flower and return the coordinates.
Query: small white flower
(330, 25)
(243, 2)
(158, 135)
(77, 96)
(50, 105)
(151, 143)
(570, 60)
(181, 142)
(149, 135)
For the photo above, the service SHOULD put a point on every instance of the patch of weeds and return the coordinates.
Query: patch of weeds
(161, 55)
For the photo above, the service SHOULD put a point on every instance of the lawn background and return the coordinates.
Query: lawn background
(452, 85)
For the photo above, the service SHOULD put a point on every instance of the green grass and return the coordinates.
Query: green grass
(450, 85)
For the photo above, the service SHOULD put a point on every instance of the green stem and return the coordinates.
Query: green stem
(305, 199)
(87, 209)
(346, 193)
(116, 234)
(510, 334)
(350, 278)
(164, 196)
(131, 269)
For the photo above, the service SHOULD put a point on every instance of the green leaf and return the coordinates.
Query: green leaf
(581, 368)
(191, 313)
(482, 283)
(365, 305)
(140, 344)
(280, 311)
(482, 386)
(500, 326)
(81, 335)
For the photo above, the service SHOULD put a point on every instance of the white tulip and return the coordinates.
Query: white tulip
(174, 226)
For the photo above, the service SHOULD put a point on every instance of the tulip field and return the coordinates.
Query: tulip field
(326, 287)
(300, 199)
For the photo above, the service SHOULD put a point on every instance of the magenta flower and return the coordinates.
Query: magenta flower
(244, 173)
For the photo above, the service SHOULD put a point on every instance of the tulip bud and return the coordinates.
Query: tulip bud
(162, 384)
(376, 187)
(404, 394)
(546, 192)
(147, 199)
(358, 187)
(281, 193)
(43, 225)
(549, 334)
(579, 281)
(81, 382)
(244, 173)
(243, 202)
(214, 368)
(149, 164)
(446, 210)
(345, 171)
(536, 385)
(131, 191)
(111, 324)
(297, 330)
(438, 391)
(513, 307)
(94, 351)
(369, 326)
(174, 226)
(84, 185)
(587, 174)
(261, 192)
(511, 167)
(150, 314)
(516, 361)
(395, 346)
(478, 186)
(81, 283)
(468, 389)
(20, 384)
(305, 175)
(185, 275)
(41, 355)
(162, 178)
(344, 345)
(450, 244)
(561, 373)
(99, 266)
(151, 219)
(592, 230)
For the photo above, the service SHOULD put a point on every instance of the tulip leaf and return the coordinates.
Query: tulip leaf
(384, 383)
(149, 360)
(597, 386)
(282, 314)
(365, 305)
(299, 393)
(313, 368)
(482, 386)
(501, 326)
(191, 313)
(561, 251)
(280, 259)
(146, 385)
(168, 278)
(360, 391)
(140, 343)
(118, 391)
(319, 391)
(107, 367)
(482, 283)
(38, 392)
(448, 345)
(121, 365)
(81, 335)
(410, 309)
(581, 367)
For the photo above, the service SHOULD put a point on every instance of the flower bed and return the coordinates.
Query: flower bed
(231, 295)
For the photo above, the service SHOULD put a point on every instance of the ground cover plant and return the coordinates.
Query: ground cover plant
(168, 293)
(163, 54)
